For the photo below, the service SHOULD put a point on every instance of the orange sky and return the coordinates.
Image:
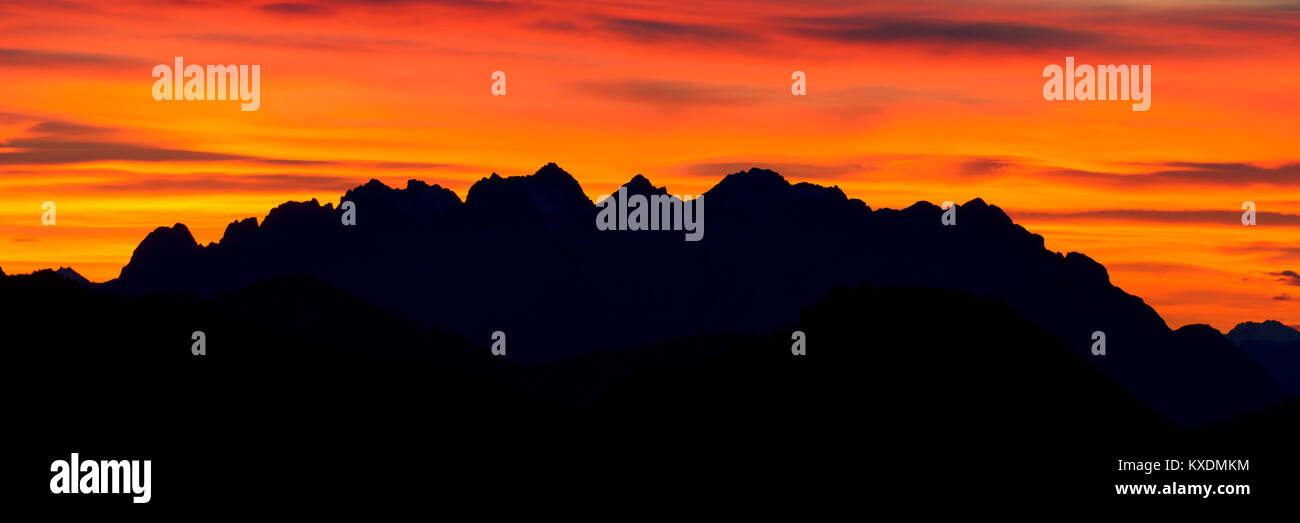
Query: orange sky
(932, 101)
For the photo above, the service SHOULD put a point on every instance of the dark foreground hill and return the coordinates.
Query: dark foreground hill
(308, 396)
(523, 255)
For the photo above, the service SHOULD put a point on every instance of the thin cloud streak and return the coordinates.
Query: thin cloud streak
(1215, 217)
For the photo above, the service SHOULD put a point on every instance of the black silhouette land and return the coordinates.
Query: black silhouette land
(949, 361)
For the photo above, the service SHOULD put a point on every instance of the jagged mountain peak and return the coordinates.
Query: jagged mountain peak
(641, 185)
(552, 170)
(755, 180)
(239, 231)
(161, 251)
(550, 191)
(177, 236)
(417, 199)
(767, 187)
(295, 214)
(921, 207)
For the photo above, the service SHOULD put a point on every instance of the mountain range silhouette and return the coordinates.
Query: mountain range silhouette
(632, 355)
(521, 255)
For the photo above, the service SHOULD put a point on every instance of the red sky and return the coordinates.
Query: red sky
(934, 101)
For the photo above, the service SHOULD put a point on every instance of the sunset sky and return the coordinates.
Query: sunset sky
(938, 100)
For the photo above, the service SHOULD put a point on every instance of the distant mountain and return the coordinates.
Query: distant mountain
(72, 276)
(522, 255)
(1271, 331)
(1275, 346)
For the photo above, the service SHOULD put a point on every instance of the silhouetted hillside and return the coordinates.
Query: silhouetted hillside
(303, 377)
(522, 255)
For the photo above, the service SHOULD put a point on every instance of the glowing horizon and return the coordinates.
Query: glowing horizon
(936, 101)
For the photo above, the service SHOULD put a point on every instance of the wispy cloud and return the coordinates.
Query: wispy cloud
(222, 182)
(56, 142)
(1202, 216)
(660, 31)
(671, 92)
(1288, 277)
(1272, 251)
(297, 9)
(1190, 173)
(875, 28)
(44, 58)
(309, 42)
(50, 151)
